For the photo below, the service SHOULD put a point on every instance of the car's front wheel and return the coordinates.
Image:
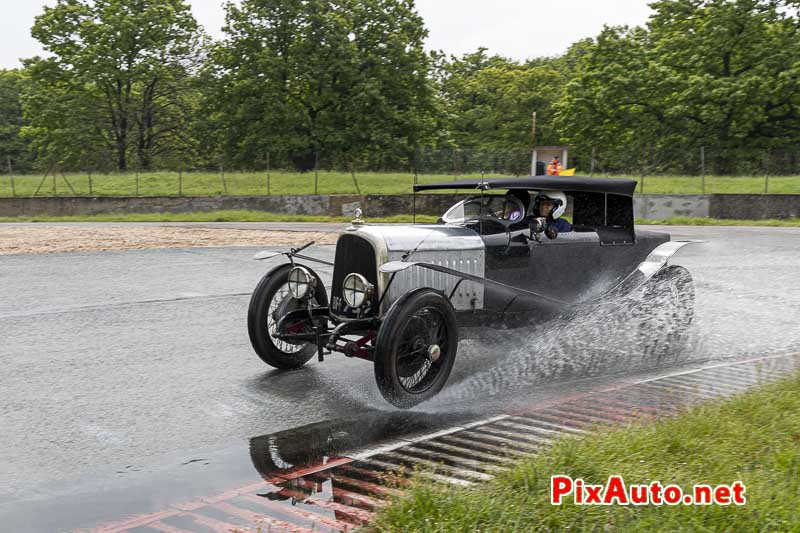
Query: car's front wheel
(270, 302)
(416, 348)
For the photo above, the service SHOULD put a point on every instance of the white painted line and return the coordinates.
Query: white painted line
(383, 448)
(485, 421)
(722, 365)
(401, 442)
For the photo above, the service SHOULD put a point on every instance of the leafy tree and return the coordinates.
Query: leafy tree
(311, 77)
(119, 76)
(13, 148)
(736, 68)
(723, 74)
(488, 102)
(392, 70)
(66, 125)
(612, 101)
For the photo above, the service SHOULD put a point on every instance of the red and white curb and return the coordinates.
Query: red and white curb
(344, 492)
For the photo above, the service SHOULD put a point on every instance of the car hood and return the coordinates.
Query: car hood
(421, 238)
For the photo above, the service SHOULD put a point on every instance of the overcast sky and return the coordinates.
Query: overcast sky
(519, 29)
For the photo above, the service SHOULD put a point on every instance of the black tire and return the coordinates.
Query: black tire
(262, 316)
(404, 370)
(668, 312)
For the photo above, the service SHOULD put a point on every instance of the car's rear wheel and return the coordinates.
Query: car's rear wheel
(667, 312)
(416, 348)
(270, 302)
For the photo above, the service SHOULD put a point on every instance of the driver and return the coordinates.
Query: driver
(551, 205)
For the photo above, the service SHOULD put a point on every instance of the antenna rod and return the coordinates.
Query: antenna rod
(533, 144)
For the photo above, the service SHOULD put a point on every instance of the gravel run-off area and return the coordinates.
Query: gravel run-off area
(59, 239)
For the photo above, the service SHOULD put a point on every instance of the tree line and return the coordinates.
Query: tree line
(137, 84)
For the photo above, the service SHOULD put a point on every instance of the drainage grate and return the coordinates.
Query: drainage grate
(344, 492)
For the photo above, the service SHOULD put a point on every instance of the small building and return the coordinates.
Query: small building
(542, 155)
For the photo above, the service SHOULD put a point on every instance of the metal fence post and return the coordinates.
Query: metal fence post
(641, 188)
(137, 182)
(268, 175)
(44, 178)
(222, 174)
(353, 174)
(11, 175)
(316, 172)
(703, 169)
(63, 177)
(180, 181)
(90, 182)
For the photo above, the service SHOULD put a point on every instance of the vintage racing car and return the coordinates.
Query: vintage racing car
(403, 295)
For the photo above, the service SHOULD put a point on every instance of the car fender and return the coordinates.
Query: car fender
(323, 295)
(655, 261)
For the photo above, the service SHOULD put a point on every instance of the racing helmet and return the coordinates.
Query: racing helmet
(517, 202)
(557, 197)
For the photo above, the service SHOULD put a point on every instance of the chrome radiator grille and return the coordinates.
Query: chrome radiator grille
(353, 254)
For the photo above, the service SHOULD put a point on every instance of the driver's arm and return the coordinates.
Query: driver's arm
(562, 225)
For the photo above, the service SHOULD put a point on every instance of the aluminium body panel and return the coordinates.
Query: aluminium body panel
(452, 246)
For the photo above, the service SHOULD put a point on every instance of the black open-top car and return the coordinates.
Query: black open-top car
(504, 257)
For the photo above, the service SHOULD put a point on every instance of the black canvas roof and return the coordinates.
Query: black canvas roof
(558, 183)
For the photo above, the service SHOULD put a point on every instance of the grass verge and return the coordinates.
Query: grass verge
(211, 216)
(754, 438)
(260, 216)
(282, 182)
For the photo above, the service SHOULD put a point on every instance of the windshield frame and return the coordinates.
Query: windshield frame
(485, 211)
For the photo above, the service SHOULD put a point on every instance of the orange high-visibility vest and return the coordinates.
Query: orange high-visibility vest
(554, 168)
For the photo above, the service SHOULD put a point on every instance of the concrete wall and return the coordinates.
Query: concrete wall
(656, 206)
(660, 206)
(755, 207)
(321, 205)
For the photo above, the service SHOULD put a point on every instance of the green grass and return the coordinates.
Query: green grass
(212, 216)
(754, 438)
(716, 184)
(280, 182)
(261, 216)
(210, 184)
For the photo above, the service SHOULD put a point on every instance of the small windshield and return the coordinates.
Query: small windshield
(494, 206)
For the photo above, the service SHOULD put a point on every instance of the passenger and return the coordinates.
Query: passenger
(551, 205)
(511, 209)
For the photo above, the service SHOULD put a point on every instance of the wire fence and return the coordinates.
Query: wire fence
(769, 173)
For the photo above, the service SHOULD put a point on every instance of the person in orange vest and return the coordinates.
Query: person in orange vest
(554, 168)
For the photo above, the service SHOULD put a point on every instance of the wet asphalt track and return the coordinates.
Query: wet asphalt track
(130, 375)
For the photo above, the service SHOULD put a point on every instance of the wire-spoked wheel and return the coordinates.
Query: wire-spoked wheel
(270, 302)
(416, 348)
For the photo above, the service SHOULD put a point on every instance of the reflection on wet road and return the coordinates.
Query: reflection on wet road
(129, 374)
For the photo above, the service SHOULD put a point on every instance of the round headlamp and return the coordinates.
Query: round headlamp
(301, 283)
(356, 290)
